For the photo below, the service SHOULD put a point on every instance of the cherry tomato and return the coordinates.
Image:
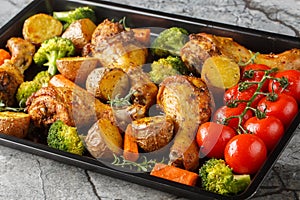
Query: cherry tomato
(285, 108)
(258, 73)
(226, 112)
(245, 153)
(270, 129)
(212, 139)
(293, 88)
(233, 94)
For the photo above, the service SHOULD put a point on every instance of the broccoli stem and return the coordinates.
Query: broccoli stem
(62, 16)
(52, 69)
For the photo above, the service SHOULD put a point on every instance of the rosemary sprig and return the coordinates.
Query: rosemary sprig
(144, 166)
(123, 101)
(250, 61)
(3, 108)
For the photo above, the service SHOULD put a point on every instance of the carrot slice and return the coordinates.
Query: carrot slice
(131, 151)
(175, 174)
(4, 55)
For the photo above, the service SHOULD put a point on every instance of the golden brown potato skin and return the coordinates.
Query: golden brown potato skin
(103, 140)
(153, 133)
(106, 84)
(80, 32)
(77, 69)
(187, 101)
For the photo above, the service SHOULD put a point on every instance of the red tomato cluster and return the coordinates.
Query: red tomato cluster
(253, 119)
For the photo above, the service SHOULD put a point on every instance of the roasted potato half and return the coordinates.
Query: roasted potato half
(106, 84)
(104, 139)
(14, 123)
(153, 133)
(80, 32)
(76, 69)
(40, 27)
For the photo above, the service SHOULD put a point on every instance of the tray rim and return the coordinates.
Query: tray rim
(145, 179)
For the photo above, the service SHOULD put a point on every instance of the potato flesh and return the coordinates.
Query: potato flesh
(14, 124)
(41, 27)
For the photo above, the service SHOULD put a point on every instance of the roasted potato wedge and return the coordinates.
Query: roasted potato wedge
(106, 84)
(76, 69)
(40, 27)
(14, 123)
(80, 32)
(153, 133)
(104, 139)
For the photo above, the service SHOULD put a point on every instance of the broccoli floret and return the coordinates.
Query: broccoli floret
(43, 78)
(218, 177)
(165, 67)
(27, 88)
(72, 15)
(51, 50)
(169, 42)
(65, 138)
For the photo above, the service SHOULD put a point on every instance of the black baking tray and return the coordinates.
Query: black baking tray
(264, 42)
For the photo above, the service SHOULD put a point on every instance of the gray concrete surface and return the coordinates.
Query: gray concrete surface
(27, 176)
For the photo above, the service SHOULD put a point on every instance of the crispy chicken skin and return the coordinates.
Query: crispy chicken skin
(10, 79)
(105, 30)
(69, 105)
(202, 45)
(22, 52)
(120, 51)
(143, 97)
(187, 101)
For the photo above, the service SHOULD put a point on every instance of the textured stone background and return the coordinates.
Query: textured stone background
(27, 176)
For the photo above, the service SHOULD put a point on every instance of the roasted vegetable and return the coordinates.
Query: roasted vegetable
(131, 149)
(169, 42)
(174, 174)
(14, 123)
(40, 27)
(51, 50)
(65, 138)
(4, 55)
(80, 32)
(220, 72)
(72, 15)
(104, 140)
(106, 84)
(186, 100)
(153, 133)
(76, 69)
(217, 176)
(165, 67)
(27, 88)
